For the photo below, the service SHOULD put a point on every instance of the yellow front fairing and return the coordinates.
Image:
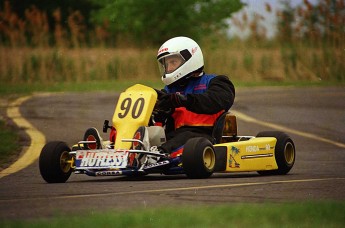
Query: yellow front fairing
(133, 109)
(255, 154)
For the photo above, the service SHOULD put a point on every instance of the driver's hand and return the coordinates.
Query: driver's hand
(160, 116)
(168, 101)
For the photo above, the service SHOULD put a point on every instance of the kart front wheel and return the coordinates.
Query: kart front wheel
(198, 158)
(55, 162)
(285, 152)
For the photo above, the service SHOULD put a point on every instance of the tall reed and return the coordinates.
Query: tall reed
(310, 50)
(312, 40)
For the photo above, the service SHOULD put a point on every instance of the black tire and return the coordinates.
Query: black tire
(285, 152)
(54, 162)
(198, 158)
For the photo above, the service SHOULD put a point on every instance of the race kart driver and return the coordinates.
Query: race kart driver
(192, 100)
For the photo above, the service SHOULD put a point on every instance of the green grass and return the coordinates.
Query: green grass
(303, 214)
(9, 142)
(112, 85)
(120, 85)
(239, 84)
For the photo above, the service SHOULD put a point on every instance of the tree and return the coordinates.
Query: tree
(85, 7)
(154, 21)
(140, 22)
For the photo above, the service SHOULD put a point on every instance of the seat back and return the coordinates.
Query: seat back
(226, 125)
(218, 128)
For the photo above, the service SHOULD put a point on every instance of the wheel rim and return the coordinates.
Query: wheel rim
(64, 162)
(289, 153)
(209, 158)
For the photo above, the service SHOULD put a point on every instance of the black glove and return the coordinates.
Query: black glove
(167, 101)
(160, 116)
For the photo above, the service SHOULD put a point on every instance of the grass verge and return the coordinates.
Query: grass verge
(120, 85)
(111, 85)
(9, 142)
(303, 214)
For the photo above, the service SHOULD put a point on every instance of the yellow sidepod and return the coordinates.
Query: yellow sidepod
(255, 154)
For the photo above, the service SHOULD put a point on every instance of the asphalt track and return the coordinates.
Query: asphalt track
(313, 117)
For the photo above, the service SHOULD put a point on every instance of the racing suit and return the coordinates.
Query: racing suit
(206, 98)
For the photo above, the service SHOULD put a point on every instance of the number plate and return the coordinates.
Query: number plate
(104, 158)
(133, 109)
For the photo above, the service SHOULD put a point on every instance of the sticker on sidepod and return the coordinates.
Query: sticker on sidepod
(252, 149)
(108, 173)
(161, 163)
(232, 162)
(256, 148)
(103, 158)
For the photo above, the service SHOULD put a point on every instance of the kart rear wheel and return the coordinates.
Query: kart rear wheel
(55, 162)
(285, 152)
(198, 158)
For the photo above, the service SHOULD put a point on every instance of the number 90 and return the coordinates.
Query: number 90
(126, 106)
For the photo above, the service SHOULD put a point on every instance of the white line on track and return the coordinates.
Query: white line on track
(249, 119)
(198, 187)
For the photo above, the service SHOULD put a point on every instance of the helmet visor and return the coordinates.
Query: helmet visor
(169, 63)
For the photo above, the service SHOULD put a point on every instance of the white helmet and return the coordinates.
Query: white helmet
(178, 58)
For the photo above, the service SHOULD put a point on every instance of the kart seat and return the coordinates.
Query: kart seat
(225, 128)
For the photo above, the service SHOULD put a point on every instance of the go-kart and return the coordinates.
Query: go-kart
(134, 151)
